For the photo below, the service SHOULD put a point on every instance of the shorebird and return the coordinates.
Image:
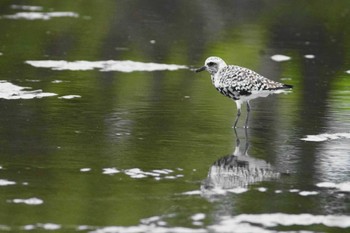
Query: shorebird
(240, 84)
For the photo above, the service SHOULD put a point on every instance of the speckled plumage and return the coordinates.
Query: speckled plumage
(239, 83)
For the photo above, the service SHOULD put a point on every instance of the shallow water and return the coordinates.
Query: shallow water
(105, 128)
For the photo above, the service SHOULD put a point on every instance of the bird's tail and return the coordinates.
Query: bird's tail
(287, 86)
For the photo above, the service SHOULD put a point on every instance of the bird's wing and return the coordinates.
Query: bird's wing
(245, 81)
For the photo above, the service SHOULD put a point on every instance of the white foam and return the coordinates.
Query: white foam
(33, 80)
(45, 226)
(57, 81)
(40, 15)
(164, 171)
(343, 187)
(10, 91)
(194, 192)
(308, 193)
(218, 191)
(309, 56)
(27, 7)
(198, 217)
(6, 182)
(110, 171)
(83, 228)
(135, 173)
(238, 190)
(49, 226)
(280, 58)
(147, 228)
(150, 220)
(29, 201)
(68, 97)
(325, 137)
(138, 173)
(326, 185)
(85, 169)
(111, 65)
(262, 189)
(252, 222)
(294, 190)
(28, 227)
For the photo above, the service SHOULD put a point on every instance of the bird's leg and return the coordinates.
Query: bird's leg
(238, 113)
(247, 118)
(238, 142)
(246, 141)
(237, 117)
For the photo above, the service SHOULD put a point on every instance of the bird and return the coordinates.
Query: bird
(240, 84)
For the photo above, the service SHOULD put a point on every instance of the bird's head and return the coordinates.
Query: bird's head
(212, 65)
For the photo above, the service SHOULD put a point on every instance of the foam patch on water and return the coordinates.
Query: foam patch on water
(39, 15)
(308, 193)
(238, 190)
(262, 189)
(6, 182)
(29, 201)
(252, 222)
(10, 91)
(111, 65)
(325, 137)
(85, 169)
(343, 187)
(280, 58)
(44, 226)
(194, 192)
(197, 219)
(27, 7)
(294, 190)
(146, 228)
(68, 97)
(241, 190)
(110, 171)
(309, 56)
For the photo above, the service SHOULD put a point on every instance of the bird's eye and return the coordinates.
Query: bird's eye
(211, 63)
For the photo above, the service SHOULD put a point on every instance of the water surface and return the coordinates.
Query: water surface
(104, 127)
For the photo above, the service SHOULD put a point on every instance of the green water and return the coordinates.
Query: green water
(158, 133)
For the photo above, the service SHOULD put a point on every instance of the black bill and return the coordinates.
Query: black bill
(200, 69)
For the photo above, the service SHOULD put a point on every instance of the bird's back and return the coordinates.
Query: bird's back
(244, 81)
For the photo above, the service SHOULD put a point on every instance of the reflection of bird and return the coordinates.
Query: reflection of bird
(238, 170)
(240, 84)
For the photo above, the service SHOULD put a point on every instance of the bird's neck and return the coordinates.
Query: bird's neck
(215, 79)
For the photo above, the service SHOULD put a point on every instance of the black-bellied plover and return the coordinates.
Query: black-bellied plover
(240, 84)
